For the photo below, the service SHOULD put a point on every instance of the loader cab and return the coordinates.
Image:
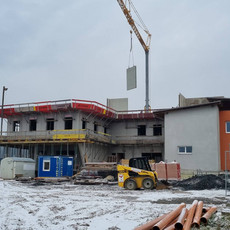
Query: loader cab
(140, 163)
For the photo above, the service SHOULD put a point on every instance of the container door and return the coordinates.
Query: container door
(67, 166)
(7, 169)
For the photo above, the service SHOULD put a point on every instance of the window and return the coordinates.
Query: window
(68, 122)
(227, 125)
(141, 130)
(83, 124)
(33, 125)
(95, 127)
(16, 126)
(185, 149)
(46, 165)
(50, 124)
(157, 130)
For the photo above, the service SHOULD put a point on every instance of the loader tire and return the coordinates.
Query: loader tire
(130, 184)
(148, 183)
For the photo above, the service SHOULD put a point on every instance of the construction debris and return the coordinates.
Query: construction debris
(97, 173)
(181, 218)
(201, 182)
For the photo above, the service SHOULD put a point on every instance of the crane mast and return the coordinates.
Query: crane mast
(145, 45)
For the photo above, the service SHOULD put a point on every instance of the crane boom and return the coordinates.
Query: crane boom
(146, 47)
(130, 20)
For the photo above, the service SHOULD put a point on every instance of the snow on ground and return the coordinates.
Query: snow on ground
(24, 206)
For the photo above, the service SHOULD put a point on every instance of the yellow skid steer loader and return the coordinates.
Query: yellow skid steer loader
(137, 175)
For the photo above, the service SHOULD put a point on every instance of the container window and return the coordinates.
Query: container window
(46, 165)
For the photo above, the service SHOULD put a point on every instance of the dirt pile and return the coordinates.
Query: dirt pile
(202, 182)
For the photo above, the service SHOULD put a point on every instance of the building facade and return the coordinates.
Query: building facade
(192, 137)
(85, 130)
(196, 134)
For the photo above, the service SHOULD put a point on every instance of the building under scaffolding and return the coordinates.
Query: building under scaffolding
(85, 130)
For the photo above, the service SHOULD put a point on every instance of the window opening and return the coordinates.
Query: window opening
(157, 130)
(50, 124)
(68, 123)
(16, 126)
(46, 165)
(83, 124)
(141, 130)
(33, 125)
(95, 127)
(157, 157)
(105, 129)
(120, 156)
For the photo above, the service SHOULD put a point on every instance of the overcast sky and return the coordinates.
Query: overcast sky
(79, 49)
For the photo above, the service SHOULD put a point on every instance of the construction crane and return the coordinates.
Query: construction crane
(145, 45)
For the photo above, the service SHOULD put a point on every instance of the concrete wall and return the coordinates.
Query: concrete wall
(130, 151)
(94, 152)
(125, 132)
(196, 127)
(119, 104)
(128, 128)
(132, 145)
(191, 101)
(59, 122)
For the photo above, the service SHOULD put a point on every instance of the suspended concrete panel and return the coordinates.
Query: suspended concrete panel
(131, 78)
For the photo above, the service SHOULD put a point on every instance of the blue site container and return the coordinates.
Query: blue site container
(55, 166)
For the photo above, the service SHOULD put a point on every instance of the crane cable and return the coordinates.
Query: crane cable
(131, 49)
(139, 17)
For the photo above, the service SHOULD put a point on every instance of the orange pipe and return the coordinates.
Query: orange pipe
(181, 219)
(169, 218)
(208, 214)
(150, 224)
(171, 225)
(198, 214)
(191, 212)
(205, 210)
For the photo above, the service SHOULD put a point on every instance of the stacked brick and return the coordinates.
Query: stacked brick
(167, 171)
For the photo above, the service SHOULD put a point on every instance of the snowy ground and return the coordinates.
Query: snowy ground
(24, 206)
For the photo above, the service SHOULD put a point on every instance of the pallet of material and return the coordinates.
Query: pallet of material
(101, 165)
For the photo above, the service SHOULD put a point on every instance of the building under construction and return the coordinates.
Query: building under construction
(86, 130)
(195, 134)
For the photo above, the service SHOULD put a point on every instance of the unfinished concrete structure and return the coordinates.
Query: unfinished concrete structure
(86, 130)
(196, 134)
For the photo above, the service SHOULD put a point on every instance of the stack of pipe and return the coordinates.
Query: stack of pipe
(181, 218)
